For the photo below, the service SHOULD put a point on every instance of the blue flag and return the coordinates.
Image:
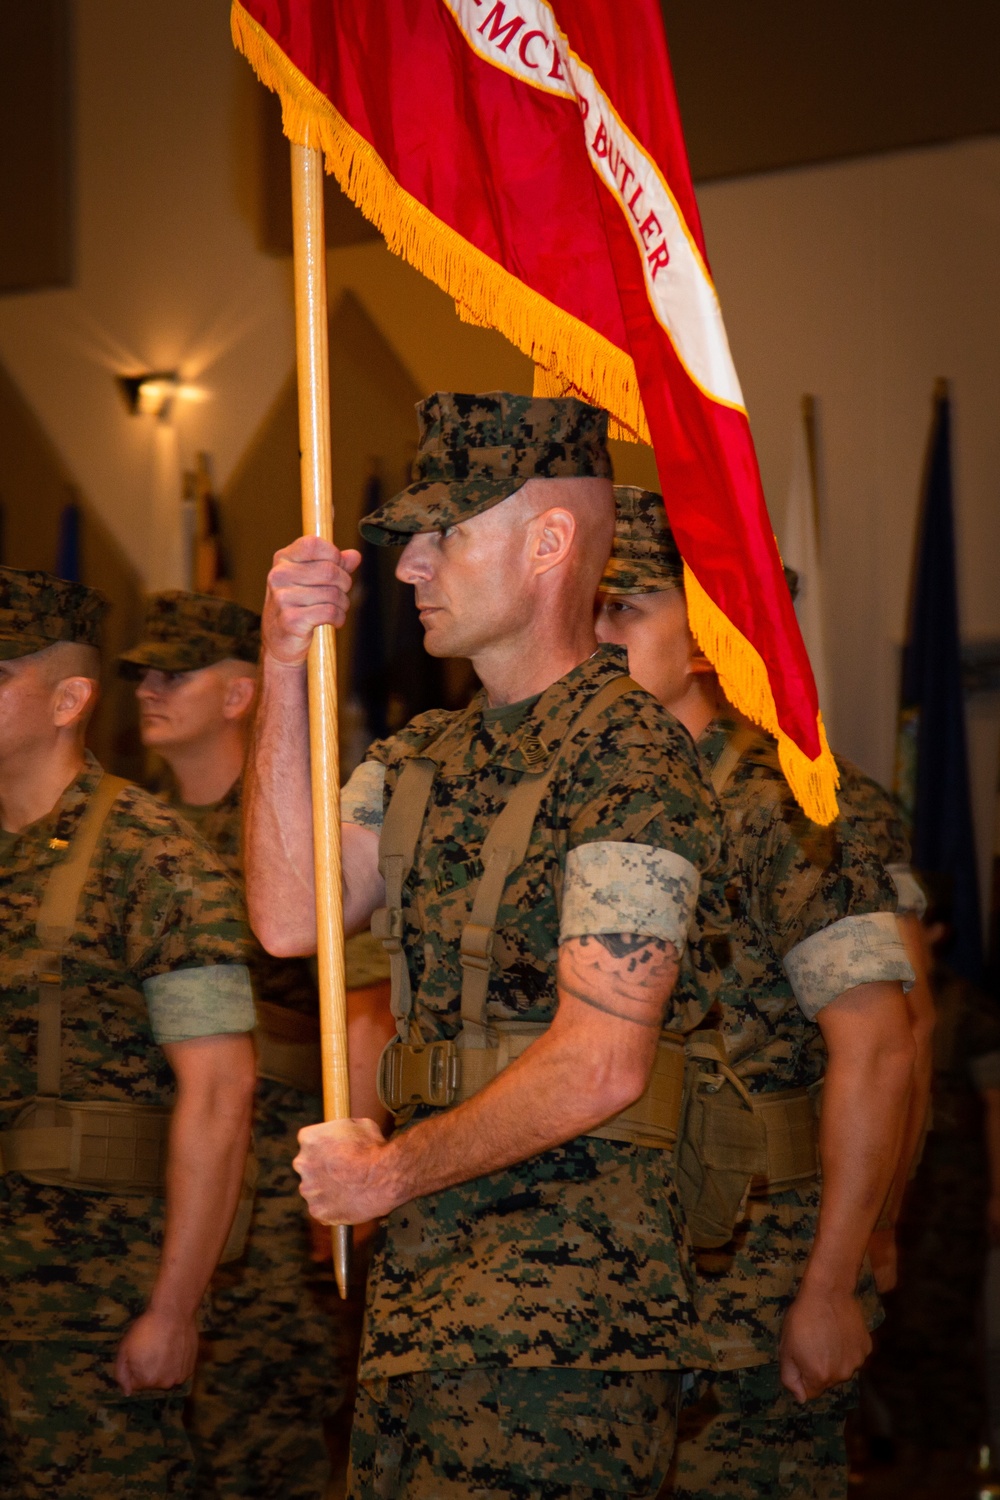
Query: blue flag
(68, 545)
(933, 753)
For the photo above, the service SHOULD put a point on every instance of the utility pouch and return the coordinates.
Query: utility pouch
(722, 1145)
(96, 1147)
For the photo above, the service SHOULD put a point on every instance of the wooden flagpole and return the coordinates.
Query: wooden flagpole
(317, 520)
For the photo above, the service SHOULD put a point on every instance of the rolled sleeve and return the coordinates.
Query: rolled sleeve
(855, 950)
(909, 893)
(626, 887)
(362, 799)
(188, 1003)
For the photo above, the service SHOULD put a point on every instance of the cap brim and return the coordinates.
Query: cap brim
(14, 646)
(158, 657)
(432, 505)
(621, 577)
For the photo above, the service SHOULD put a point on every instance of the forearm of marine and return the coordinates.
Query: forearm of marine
(860, 1139)
(206, 1162)
(278, 836)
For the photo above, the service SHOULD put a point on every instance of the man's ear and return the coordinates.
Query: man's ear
(239, 696)
(554, 532)
(73, 700)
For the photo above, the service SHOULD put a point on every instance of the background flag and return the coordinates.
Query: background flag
(68, 543)
(932, 759)
(800, 547)
(527, 155)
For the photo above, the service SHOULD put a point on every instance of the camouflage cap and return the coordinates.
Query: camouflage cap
(37, 610)
(475, 451)
(183, 632)
(644, 557)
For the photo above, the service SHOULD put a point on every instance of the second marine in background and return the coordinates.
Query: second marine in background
(279, 1351)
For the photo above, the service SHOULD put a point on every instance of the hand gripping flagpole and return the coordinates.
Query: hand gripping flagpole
(317, 520)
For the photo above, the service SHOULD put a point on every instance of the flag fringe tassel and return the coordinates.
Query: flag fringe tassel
(570, 359)
(744, 680)
(570, 356)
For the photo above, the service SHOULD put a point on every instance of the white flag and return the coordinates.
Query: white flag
(800, 550)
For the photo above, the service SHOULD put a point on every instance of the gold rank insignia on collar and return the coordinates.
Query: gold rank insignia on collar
(533, 750)
(58, 843)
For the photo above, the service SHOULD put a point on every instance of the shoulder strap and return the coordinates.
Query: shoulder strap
(740, 740)
(56, 922)
(504, 849)
(397, 849)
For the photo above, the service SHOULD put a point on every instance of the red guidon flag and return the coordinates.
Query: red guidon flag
(527, 155)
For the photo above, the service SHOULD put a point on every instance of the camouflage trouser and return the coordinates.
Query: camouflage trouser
(67, 1430)
(513, 1435)
(741, 1435)
(279, 1351)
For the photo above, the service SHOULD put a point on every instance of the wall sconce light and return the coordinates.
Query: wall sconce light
(151, 394)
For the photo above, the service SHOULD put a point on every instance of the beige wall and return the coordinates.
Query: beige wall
(860, 283)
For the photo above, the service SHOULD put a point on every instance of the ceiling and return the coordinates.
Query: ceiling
(765, 84)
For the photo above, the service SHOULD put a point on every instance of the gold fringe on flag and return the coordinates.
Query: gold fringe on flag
(570, 359)
(744, 680)
(484, 292)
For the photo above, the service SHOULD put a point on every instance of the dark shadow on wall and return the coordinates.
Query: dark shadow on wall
(34, 488)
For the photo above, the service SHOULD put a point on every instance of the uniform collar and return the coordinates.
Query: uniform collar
(535, 739)
(715, 737)
(45, 841)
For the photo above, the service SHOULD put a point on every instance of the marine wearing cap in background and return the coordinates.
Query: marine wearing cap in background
(183, 632)
(121, 969)
(278, 1354)
(812, 920)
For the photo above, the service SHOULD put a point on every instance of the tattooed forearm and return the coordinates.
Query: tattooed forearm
(623, 974)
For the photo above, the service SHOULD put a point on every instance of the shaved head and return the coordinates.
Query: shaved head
(69, 659)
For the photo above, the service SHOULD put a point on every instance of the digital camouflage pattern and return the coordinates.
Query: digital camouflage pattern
(279, 1349)
(476, 450)
(576, 1257)
(78, 1265)
(877, 814)
(741, 1436)
(37, 610)
(68, 1430)
(183, 632)
(789, 880)
(513, 1435)
(644, 556)
(873, 810)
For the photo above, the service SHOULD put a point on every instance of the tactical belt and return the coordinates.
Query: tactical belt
(112, 1148)
(288, 1047)
(92, 1145)
(791, 1126)
(441, 1074)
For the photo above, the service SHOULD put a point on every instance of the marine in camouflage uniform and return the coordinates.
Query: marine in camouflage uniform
(154, 959)
(525, 1329)
(279, 1350)
(812, 917)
